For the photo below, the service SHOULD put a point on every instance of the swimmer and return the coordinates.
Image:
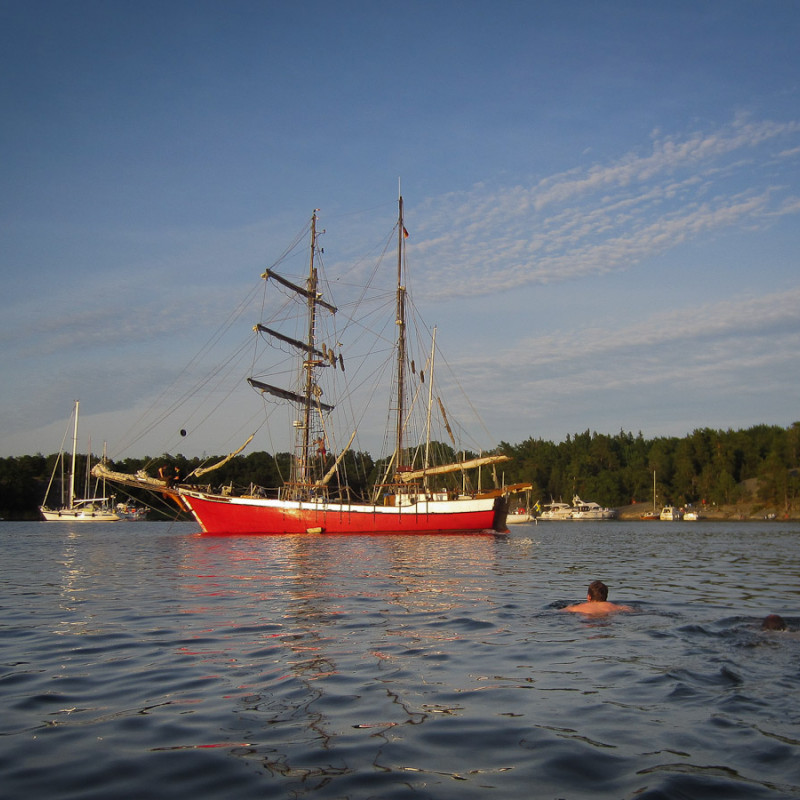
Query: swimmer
(773, 622)
(597, 601)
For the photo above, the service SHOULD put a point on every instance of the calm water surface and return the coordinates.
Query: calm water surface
(140, 660)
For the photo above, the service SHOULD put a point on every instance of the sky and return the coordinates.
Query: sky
(602, 199)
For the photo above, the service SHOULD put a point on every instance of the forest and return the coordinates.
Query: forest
(758, 465)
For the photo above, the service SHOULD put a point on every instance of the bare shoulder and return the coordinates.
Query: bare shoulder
(593, 607)
(622, 607)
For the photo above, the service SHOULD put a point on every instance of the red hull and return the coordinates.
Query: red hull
(225, 515)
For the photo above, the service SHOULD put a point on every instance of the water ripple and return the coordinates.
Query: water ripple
(142, 660)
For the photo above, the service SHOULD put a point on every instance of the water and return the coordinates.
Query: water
(140, 660)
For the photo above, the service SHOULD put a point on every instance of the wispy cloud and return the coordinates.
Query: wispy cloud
(736, 346)
(606, 217)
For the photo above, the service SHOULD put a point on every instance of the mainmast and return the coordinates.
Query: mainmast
(308, 363)
(401, 340)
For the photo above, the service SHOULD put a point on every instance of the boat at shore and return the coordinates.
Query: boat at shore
(556, 511)
(579, 511)
(520, 513)
(131, 512)
(670, 514)
(582, 510)
(72, 508)
(409, 496)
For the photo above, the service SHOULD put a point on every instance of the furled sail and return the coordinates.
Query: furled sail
(300, 290)
(294, 342)
(284, 394)
(412, 475)
(140, 480)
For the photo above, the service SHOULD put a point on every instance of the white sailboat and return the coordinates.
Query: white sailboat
(522, 512)
(72, 509)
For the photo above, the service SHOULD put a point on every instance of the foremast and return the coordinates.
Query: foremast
(310, 439)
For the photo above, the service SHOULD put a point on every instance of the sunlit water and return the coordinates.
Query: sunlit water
(140, 660)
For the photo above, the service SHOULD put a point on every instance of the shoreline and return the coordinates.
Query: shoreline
(742, 512)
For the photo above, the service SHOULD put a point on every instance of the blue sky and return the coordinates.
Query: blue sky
(603, 199)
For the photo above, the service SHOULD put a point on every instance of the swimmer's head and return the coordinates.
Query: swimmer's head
(598, 592)
(773, 622)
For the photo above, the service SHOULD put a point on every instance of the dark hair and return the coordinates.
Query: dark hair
(598, 591)
(773, 622)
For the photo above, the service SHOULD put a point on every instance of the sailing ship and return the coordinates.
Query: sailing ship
(73, 509)
(407, 498)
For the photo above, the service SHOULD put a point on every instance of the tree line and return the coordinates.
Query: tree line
(758, 465)
(24, 480)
